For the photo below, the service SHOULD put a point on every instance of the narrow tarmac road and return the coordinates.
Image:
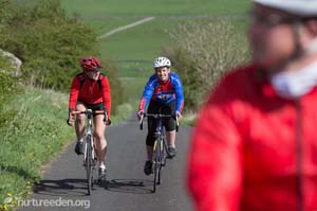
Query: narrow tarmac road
(64, 186)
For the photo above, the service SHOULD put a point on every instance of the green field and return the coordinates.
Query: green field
(145, 41)
(134, 49)
(104, 8)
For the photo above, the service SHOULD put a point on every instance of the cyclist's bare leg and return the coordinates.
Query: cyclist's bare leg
(80, 121)
(171, 137)
(101, 142)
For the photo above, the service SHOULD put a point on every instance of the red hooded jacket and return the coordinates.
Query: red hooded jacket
(253, 150)
(90, 91)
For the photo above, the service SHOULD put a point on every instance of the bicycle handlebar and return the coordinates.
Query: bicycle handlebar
(159, 116)
(86, 111)
(93, 112)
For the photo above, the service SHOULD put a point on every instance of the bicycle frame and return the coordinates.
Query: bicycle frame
(160, 146)
(89, 154)
(89, 134)
(159, 157)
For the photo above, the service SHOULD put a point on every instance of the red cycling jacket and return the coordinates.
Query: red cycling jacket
(252, 150)
(90, 91)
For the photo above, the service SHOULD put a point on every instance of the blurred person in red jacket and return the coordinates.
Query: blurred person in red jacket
(255, 143)
(90, 89)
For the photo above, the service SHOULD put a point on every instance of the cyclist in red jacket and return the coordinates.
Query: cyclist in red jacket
(90, 89)
(255, 143)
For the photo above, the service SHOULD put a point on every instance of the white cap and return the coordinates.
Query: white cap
(303, 8)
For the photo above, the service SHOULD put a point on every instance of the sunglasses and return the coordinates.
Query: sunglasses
(94, 71)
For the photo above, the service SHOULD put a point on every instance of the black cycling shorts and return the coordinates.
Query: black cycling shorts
(93, 107)
(169, 123)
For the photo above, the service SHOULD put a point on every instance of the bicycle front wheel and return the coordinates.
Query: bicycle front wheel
(89, 165)
(157, 162)
(161, 159)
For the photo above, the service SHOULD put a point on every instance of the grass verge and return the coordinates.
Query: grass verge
(35, 135)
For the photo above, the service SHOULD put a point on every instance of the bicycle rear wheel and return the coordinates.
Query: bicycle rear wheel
(89, 165)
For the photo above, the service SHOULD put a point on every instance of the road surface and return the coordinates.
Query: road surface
(63, 186)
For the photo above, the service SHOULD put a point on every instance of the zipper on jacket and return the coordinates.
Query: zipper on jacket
(299, 155)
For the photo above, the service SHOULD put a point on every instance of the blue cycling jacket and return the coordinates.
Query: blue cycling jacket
(163, 91)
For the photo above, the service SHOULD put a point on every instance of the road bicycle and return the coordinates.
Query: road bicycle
(160, 148)
(90, 158)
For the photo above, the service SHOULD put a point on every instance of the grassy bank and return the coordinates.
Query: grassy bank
(36, 134)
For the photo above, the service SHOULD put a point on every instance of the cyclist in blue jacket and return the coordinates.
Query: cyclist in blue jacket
(163, 93)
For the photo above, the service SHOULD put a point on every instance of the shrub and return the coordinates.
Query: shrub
(202, 52)
(50, 44)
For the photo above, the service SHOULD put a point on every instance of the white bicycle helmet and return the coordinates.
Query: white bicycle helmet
(302, 8)
(161, 62)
